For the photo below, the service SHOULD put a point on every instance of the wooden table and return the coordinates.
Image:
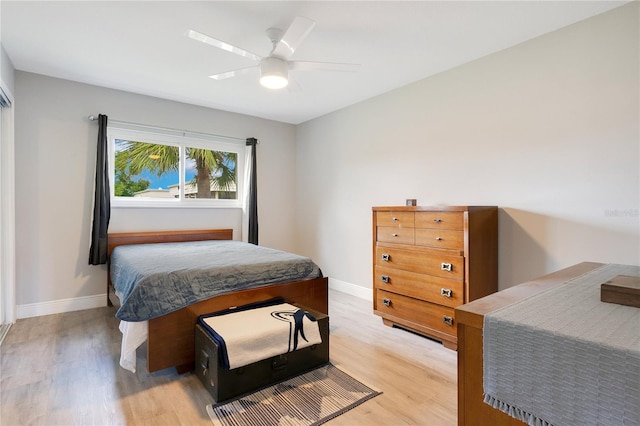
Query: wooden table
(470, 318)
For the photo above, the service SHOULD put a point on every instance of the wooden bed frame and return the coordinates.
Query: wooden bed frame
(470, 318)
(171, 341)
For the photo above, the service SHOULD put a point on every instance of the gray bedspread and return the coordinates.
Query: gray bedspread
(155, 279)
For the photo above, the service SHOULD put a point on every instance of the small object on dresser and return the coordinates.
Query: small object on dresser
(622, 290)
(411, 201)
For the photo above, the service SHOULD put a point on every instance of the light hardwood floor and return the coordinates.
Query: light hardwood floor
(63, 370)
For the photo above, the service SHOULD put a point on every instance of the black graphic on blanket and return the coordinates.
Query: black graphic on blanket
(294, 318)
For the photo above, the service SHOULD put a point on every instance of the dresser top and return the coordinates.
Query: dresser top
(431, 208)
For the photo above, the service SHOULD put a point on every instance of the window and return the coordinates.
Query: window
(171, 170)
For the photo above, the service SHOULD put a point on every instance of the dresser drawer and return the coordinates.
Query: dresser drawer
(427, 314)
(396, 219)
(440, 220)
(438, 290)
(423, 261)
(395, 235)
(439, 238)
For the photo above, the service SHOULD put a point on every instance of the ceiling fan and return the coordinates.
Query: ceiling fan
(274, 69)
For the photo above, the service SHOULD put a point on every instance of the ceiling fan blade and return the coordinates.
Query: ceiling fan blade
(293, 86)
(233, 73)
(293, 37)
(222, 45)
(322, 66)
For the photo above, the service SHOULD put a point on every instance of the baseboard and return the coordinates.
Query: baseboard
(352, 289)
(4, 329)
(61, 306)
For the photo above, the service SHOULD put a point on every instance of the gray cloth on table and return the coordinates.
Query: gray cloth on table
(155, 279)
(563, 357)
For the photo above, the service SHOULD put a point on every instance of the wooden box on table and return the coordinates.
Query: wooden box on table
(622, 290)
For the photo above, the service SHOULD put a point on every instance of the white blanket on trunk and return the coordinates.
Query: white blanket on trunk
(248, 336)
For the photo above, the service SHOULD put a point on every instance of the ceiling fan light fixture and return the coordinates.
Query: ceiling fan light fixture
(274, 69)
(274, 73)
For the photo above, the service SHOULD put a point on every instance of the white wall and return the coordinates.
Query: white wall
(6, 70)
(547, 130)
(55, 162)
(6, 67)
(7, 213)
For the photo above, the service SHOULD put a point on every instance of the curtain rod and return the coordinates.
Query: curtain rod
(168, 129)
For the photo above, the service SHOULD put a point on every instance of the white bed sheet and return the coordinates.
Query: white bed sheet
(134, 334)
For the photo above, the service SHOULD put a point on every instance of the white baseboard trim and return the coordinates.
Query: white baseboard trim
(4, 329)
(61, 306)
(352, 289)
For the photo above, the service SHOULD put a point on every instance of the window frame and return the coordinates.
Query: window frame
(182, 141)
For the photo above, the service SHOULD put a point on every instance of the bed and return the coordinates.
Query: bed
(583, 371)
(170, 336)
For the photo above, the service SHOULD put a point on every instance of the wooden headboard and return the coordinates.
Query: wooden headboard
(126, 238)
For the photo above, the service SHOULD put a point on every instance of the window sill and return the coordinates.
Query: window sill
(202, 204)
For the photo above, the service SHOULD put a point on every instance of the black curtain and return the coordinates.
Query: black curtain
(252, 208)
(102, 203)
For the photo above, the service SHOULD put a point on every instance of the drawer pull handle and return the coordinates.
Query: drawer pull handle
(394, 235)
(447, 320)
(446, 267)
(438, 238)
(394, 219)
(437, 220)
(387, 302)
(386, 257)
(446, 292)
(385, 279)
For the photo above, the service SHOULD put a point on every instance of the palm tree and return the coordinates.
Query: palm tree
(124, 185)
(211, 166)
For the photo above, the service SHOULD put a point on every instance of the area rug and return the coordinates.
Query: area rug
(309, 399)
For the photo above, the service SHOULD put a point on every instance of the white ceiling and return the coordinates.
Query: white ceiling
(141, 46)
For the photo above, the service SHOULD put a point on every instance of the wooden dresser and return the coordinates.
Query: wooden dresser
(429, 260)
